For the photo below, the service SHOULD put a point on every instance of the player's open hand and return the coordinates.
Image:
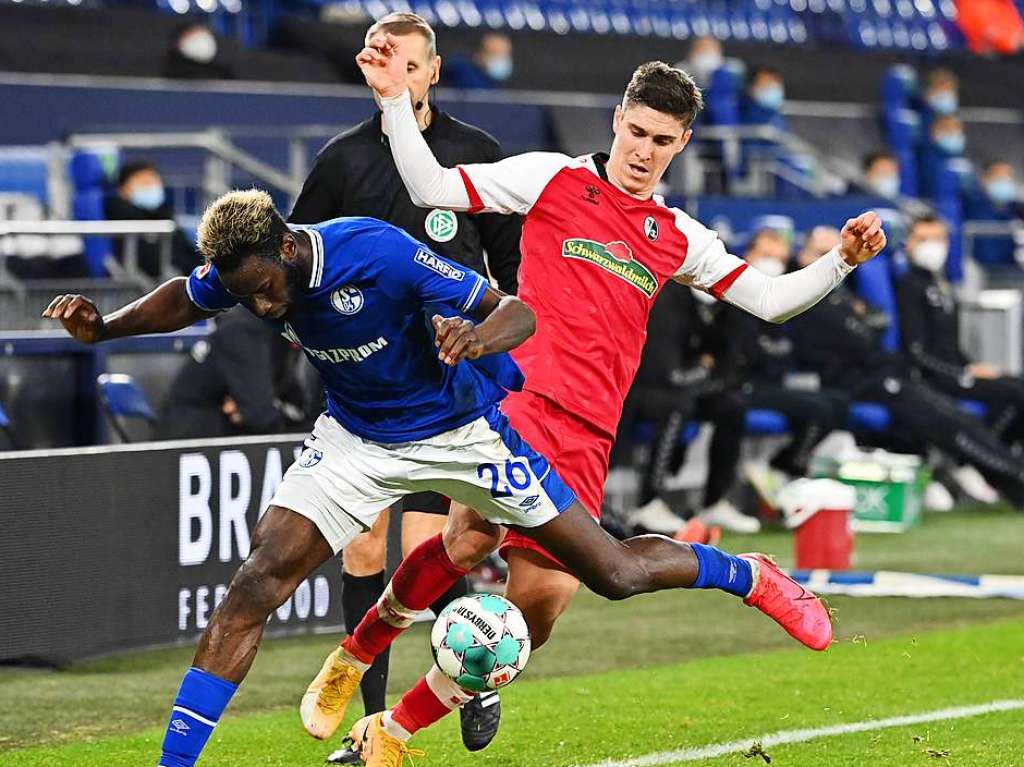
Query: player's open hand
(456, 339)
(384, 68)
(79, 316)
(862, 238)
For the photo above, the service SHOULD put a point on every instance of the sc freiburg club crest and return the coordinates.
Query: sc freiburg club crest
(651, 228)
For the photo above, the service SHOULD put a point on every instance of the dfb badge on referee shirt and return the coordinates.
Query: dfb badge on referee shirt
(441, 225)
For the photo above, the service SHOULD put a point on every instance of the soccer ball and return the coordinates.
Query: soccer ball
(481, 642)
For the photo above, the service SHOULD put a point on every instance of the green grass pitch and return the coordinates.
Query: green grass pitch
(656, 674)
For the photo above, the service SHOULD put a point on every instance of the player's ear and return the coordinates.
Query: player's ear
(617, 118)
(289, 248)
(686, 140)
(435, 74)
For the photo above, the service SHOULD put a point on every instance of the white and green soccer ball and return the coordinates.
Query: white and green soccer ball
(481, 642)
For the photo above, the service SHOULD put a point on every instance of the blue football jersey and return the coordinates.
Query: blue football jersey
(364, 323)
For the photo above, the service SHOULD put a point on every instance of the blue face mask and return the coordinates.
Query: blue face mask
(886, 186)
(148, 197)
(1001, 190)
(951, 143)
(499, 68)
(770, 97)
(943, 102)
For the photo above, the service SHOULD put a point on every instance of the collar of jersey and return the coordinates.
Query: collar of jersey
(316, 241)
(600, 159)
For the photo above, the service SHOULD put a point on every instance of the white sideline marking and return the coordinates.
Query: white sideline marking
(801, 736)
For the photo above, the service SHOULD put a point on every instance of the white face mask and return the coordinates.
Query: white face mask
(707, 62)
(199, 46)
(771, 267)
(930, 255)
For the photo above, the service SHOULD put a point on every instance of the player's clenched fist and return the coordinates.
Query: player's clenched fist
(456, 340)
(862, 238)
(384, 68)
(79, 316)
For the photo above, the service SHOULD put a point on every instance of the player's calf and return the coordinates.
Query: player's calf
(286, 549)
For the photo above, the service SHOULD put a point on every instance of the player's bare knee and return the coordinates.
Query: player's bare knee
(365, 555)
(259, 586)
(540, 619)
(468, 539)
(616, 584)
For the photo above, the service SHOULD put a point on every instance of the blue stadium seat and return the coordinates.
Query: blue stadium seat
(24, 170)
(868, 416)
(5, 427)
(86, 171)
(766, 422)
(973, 407)
(87, 205)
(122, 398)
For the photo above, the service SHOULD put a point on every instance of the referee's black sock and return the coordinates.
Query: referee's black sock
(359, 594)
(459, 589)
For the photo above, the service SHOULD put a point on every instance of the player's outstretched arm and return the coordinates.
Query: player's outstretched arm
(777, 299)
(166, 309)
(505, 323)
(511, 185)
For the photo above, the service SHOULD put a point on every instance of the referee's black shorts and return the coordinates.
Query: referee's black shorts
(428, 502)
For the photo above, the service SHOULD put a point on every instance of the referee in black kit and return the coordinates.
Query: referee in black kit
(355, 175)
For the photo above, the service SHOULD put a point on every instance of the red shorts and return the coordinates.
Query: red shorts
(577, 450)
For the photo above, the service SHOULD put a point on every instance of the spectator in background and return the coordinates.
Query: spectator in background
(766, 93)
(703, 60)
(769, 371)
(140, 194)
(882, 174)
(929, 318)
(946, 142)
(489, 67)
(996, 199)
(193, 55)
(941, 96)
(240, 380)
(687, 373)
(839, 339)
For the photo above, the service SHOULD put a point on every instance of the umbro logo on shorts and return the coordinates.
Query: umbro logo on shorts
(526, 503)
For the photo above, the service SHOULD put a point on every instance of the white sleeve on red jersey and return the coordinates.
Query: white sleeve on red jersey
(511, 185)
(514, 184)
(711, 268)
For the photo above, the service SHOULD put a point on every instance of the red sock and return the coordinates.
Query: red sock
(422, 578)
(433, 698)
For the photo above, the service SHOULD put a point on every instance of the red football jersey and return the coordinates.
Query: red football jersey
(593, 261)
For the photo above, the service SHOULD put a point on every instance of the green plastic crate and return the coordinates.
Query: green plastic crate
(890, 488)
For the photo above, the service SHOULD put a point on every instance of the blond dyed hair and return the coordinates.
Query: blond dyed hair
(240, 224)
(402, 23)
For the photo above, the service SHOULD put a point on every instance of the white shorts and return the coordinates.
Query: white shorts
(341, 482)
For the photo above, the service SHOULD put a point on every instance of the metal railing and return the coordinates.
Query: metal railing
(1012, 230)
(222, 155)
(130, 231)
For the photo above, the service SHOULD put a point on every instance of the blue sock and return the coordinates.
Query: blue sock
(201, 700)
(719, 570)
